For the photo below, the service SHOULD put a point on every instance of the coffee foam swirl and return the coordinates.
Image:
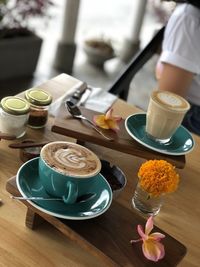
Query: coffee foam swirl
(71, 159)
(170, 100)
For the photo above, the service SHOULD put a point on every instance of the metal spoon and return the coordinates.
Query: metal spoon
(79, 199)
(76, 113)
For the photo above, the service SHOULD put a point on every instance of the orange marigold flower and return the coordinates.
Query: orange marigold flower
(158, 177)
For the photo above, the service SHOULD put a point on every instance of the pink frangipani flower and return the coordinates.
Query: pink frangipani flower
(152, 248)
(107, 121)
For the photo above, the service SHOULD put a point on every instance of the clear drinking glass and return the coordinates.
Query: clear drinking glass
(146, 204)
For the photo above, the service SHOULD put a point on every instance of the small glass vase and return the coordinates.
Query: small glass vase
(146, 204)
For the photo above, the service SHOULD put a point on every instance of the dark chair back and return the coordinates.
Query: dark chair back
(121, 86)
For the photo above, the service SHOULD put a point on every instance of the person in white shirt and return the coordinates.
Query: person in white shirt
(179, 71)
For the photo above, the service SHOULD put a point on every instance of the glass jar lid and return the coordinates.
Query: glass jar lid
(38, 97)
(15, 105)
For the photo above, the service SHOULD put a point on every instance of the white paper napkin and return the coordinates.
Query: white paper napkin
(98, 100)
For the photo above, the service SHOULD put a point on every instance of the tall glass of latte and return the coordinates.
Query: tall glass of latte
(165, 114)
(67, 170)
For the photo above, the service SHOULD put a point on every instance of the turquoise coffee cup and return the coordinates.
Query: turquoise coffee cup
(68, 170)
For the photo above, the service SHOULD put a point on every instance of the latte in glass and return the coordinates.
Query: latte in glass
(165, 114)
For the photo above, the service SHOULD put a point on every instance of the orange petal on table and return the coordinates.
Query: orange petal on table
(156, 236)
(149, 225)
(109, 116)
(141, 232)
(107, 121)
(151, 247)
(113, 125)
(100, 121)
(153, 250)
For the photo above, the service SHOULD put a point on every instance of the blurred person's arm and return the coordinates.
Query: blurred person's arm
(174, 79)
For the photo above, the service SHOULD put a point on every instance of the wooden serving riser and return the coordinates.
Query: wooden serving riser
(66, 125)
(107, 236)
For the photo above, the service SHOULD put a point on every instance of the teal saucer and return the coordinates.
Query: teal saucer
(181, 142)
(29, 185)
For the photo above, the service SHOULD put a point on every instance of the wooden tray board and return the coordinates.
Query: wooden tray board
(108, 236)
(66, 125)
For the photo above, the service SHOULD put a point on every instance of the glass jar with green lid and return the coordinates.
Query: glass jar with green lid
(39, 104)
(14, 113)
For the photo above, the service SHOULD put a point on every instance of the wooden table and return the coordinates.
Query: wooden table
(20, 246)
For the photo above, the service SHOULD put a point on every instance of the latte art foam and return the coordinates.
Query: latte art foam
(170, 100)
(71, 159)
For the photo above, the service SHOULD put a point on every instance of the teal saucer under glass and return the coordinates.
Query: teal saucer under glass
(29, 185)
(180, 143)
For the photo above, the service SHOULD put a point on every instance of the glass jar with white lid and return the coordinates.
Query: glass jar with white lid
(39, 104)
(14, 113)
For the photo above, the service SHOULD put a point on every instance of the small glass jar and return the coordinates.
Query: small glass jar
(14, 112)
(39, 104)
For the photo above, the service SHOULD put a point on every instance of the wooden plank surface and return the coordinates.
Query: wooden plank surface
(20, 247)
(65, 124)
(108, 236)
